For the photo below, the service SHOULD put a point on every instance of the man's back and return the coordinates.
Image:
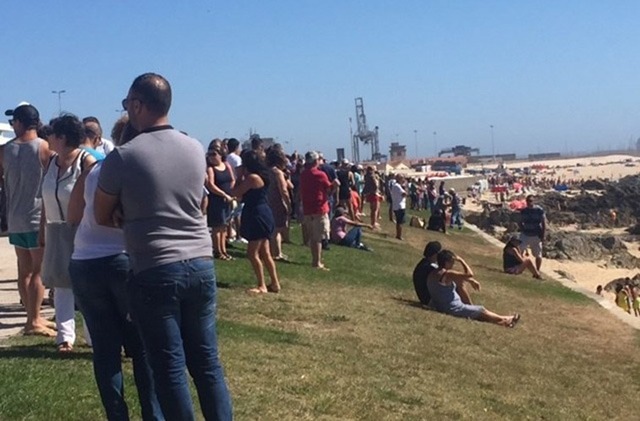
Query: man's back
(159, 177)
(22, 177)
(420, 274)
(531, 220)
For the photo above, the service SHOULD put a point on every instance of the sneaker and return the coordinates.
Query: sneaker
(364, 247)
(242, 240)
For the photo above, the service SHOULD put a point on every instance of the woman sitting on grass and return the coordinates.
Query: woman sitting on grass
(339, 234)
(513, 262)
(444, 298)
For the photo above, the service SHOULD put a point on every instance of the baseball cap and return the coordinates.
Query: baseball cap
(311, 157)
(25, 112)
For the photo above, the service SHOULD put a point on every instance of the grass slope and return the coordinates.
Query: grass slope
(352, 344)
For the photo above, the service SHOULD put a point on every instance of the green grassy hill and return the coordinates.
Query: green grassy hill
(352, 344)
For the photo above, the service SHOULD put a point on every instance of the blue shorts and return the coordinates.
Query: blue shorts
(24, 240)
(467, 311)
(399, 216)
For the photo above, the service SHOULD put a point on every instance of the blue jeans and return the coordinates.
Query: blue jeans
(174, 307)
(456, 218)
(100, 287)
(352, 239)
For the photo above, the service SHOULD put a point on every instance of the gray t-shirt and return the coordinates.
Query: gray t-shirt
(159, 177)
(22, 177)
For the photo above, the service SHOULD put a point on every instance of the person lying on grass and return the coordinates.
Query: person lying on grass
(513, 262)
(445, 299)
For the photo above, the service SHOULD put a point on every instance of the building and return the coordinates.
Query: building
(397, 152)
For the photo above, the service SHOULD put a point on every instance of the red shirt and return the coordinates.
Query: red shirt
(313, 191)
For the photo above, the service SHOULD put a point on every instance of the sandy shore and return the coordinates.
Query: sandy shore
(583, 273)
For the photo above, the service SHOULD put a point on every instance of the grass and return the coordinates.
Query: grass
(352, 344)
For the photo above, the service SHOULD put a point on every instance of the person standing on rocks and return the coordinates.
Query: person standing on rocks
(532, 229)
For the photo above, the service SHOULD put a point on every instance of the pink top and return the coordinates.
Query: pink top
(338, 228)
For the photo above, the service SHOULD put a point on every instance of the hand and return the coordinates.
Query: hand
(475, 284)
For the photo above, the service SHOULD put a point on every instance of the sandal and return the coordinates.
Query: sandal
(514, 320)
(65, 347)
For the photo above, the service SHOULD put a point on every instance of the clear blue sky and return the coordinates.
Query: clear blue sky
(549, 75)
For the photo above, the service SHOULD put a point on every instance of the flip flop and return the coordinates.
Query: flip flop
(515, 320)
(42, 331)
(272, 289)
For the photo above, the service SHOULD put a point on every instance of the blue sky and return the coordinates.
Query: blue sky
(549, 76)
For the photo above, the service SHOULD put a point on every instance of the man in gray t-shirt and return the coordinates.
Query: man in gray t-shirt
(157, 179)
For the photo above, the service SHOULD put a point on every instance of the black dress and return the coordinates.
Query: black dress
(218, 210)
(257, 218)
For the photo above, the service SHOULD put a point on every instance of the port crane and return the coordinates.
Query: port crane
(364, 135)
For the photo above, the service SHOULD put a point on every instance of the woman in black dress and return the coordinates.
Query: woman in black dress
(220, 180)
(257, 219)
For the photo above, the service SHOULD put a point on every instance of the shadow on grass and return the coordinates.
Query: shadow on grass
(240, 331)
(41, 352)
(410, 303)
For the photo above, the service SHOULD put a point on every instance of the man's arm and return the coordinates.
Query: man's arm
(105, 207)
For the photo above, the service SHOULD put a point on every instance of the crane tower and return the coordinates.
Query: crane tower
(364, 135)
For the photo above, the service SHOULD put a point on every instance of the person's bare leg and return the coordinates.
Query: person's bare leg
(29, 265)
(223, 241)
(316, 254)
(267, 260)
(276, 244)
(463, 292)
(214, 241)
(532, 268)
(491, 317)
(538, 263)
(253, 249)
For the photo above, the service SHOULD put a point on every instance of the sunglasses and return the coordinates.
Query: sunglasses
(126, 101)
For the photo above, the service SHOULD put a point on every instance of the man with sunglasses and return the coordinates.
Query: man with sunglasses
(157, 181)
(22, 162)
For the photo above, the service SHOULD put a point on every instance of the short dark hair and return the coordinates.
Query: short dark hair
(253, 163)
(232, 144)
(71, 127)
(154, 92)
(91, 119)
(256, 142)
(432, 247)
(445, 256)
(45, 131)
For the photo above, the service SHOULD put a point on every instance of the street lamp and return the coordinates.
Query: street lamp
(493, 145)
(415, 138)
(59, 93)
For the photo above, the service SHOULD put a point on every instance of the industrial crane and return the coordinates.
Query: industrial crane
(364, 135)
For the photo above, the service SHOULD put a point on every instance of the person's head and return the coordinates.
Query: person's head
(91, 119)
(24, 117)
(257, 144)
(431, 250)
(599, 289)
(68, 132)
(529, 201)
(345, 163)
(91, 135)
(118, 127)
(233, 145)
(399, 178)
(276, 157)
(148, 100)
(339, 211)
(446, 259)
(452, 191)
(311, 158)
(369, 170)
(128, 133)
(215, 142)
(619, 288)
(513, 241)
(253, 163)
(216, 154)
(45, 131)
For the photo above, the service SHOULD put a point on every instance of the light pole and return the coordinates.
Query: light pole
(435, 143)
(415, 138)
(59, 93)
(493, 145)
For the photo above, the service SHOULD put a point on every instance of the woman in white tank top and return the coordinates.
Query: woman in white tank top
(55, 234)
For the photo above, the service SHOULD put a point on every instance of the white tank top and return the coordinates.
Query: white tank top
(92, 240)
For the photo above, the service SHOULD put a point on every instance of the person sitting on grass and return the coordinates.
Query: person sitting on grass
(342, 237)
(513, 262)
(445, 299)
(425, 267)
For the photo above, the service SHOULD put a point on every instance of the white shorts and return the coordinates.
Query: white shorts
(533, 242)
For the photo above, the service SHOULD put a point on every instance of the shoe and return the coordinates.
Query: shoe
(364, 247)
(242, 240)
(65, 348)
